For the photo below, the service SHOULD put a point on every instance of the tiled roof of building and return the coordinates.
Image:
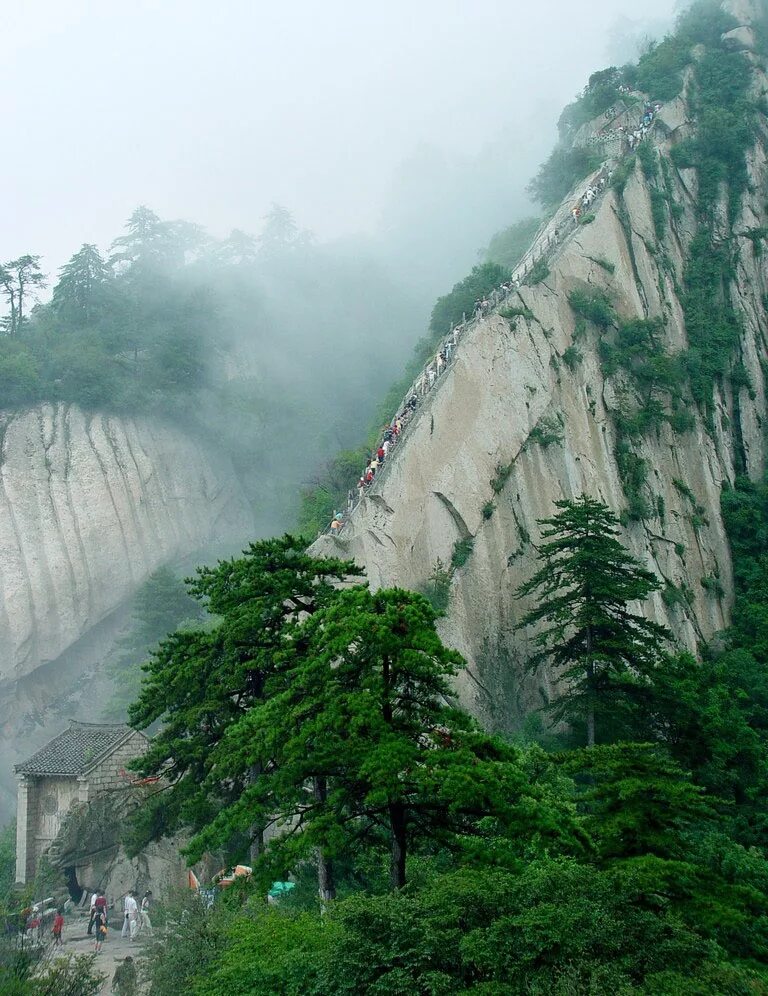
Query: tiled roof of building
(76, 750)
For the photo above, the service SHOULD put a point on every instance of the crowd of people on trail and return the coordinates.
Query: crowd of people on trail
(391, 435)
(630, 138)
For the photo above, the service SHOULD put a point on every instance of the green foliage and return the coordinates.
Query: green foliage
(745, 513)
(593, 307)
(218, 673)
(682, 488)
(559, 928)
(591, 638)
(559, 174)
(572, 357)
(516, 311)
(361, 712)
(712, 324)
(633, 473)
(757, 236)
(538, 272)
(713, 585)
(676, 595)
(451, 308)
(161, 606)
(597, 97)
(622, 173)
(437, 589)
(43, 972)
(7, 864)
(503, 473)
(648, 158)
(604, 264)
(508, 246)
(658, 213)
(462, 551)
(188, 936)
(659, 70)
(488, 509)
(637, 801)
(547, 432)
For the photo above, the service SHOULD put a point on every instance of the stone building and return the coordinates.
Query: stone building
(74, 767)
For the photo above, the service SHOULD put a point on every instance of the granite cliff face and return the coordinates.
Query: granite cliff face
(90, 505)
(509, 400)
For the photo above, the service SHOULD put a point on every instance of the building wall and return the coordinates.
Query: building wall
(45, 801)
(113, 772)
(48, 802)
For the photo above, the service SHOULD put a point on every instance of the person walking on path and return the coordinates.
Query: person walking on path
(132, 915)
(100, 927)
(146, 923)
(58, 926)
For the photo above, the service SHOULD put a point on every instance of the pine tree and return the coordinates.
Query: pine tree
(19, 279)
(80, 281)
(365, 749)
(201, 682)
(591, 637)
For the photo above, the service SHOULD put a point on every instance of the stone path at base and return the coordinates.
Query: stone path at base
(113, 951)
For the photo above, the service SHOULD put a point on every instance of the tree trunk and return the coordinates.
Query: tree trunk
(590, 691)
(325, 884)
(399, 844)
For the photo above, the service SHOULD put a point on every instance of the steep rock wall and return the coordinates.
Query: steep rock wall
(90, 505)
(508, 378)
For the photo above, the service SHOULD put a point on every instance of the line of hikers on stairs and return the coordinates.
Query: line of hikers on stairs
(392, 433)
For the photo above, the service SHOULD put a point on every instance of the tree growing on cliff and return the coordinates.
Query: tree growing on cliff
(201, 682)
(20, 279)
(363, 719)
(598, 646)
(81, 285)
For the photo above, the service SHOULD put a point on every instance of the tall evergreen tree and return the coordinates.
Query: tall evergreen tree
(202, 681)
(80, 281)
(20, 279)
(591, 637)
(365, 748)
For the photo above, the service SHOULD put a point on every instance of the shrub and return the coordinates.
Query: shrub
(673, 595)
(558, 175)
(608, 267)
(516, 311)
(682, 488)
(503, 472)
(647, 157)
(633, 473)
(593, 307)
(437, 588)
(622, 173)
(572, 357)
(600, 93)
(547, 432)
(450, 308)
(462, 551)
(488, 509)
(712, 584)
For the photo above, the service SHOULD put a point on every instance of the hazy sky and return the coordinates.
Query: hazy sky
(212, 110)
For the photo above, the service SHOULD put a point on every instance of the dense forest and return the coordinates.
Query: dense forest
(237, 340)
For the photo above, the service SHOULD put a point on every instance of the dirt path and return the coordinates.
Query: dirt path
(114, 949)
